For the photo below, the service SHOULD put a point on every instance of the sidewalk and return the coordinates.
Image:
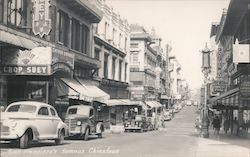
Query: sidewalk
(223, 145)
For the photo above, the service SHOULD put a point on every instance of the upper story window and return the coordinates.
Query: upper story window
(75, 35)
(113, 67)
(1, 10)
(120, 38)
(106, 28)
(114, 34)
(64, 22)
(105, 70)
(85, 39)
(134, 57)
(18, 12)
(125, 45)
(134, 45)
(120, 70)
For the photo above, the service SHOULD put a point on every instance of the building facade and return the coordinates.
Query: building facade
(43, 42)
(233, 39)
(111, 47)
(143, 63)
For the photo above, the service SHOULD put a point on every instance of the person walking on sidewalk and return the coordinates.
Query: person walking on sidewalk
(216, 125)
(226, 125)
(235, 126)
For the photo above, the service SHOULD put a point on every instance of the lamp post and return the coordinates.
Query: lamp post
(206, 69)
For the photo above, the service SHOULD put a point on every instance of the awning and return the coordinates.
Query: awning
(76, 86)
(165, 97)
(19, 41)
(65, 91)
(94, 91)
(122, 102)
(153, 104)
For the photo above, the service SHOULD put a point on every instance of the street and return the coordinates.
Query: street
(177, 139)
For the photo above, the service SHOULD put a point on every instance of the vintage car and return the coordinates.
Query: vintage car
(167, 116)
(27, 121)
(140, 123)
(82, 121)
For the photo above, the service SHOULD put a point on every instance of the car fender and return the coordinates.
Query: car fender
(21, 129)
(99, 127)
(84, 126)
(61, 126)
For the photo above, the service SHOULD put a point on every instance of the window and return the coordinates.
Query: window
(106, 28)
(134, 45)
(134, 57)
(64, 22)
(120, 38)
(22, 108)
(97, 53)
(75, 36)
(72, 111)
(19, 12)
(114, 34)
(126, 66)
(125, 44)
(113, 67)
(53, 112)
(105, 71)
(36, 90)
(43, 111)
(120, 70)
(1, 10)
(85, 39)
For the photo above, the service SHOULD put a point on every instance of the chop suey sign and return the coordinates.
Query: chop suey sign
(41, 21)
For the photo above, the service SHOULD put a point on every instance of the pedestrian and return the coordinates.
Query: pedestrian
(235, 126)
(226, 125)
(216, 125)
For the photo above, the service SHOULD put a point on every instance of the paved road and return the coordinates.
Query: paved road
(176, 140)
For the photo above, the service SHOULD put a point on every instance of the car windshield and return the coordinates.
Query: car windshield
(22, 108)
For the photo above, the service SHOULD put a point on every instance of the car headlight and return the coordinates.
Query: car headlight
(78, 123)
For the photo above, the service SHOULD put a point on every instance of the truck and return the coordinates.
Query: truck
(82, 121)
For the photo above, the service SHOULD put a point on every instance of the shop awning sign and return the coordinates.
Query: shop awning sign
(217, 87)
(41, 21)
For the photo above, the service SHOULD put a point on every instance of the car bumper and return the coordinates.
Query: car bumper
(5, 137)
(133, 128)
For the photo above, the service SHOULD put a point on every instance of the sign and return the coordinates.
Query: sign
(41, 23)
(245, 86)
(26, 70)
(241, 53)
(26, 62)
(217, 87)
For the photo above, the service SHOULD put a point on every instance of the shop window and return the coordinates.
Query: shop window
(36, 90)
(64, 22)
(19, 13)
(134, 45)
(75, 35)
(85, 39)
(105, 71)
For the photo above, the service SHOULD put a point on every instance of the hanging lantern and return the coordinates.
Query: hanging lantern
(206, 57)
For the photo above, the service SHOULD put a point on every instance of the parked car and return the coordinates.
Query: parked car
(82, 121)
(28, 121)
(167, 115)
(140, 123)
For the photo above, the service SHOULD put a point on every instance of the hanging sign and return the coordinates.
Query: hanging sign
(41, 23)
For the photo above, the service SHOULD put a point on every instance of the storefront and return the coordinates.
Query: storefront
(121, 110)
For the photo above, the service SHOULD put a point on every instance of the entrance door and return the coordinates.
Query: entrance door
(15, 89)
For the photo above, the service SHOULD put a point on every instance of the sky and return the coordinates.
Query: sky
(185, 24)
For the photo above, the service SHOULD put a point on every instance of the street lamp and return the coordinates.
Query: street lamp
(206, 69)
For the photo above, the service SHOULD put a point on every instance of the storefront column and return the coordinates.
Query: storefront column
(47, 92)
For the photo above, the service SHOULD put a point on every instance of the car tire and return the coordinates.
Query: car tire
(86, 135)
(60, 139)
(100, 135)
(24, 141)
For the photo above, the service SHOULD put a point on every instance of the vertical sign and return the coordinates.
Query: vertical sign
(41, 22)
